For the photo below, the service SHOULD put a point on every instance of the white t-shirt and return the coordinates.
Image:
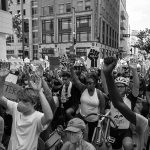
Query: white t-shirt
(25, 129)
(141, 128)
(119, 119)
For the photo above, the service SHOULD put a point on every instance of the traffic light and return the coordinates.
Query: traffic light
(74, 41)
(26, 25)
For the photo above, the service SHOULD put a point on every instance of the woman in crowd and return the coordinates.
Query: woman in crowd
(92, 100)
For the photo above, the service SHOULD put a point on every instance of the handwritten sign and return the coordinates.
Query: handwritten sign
(10, 90)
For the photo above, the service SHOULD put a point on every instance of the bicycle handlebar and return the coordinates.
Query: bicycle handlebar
(101, 117)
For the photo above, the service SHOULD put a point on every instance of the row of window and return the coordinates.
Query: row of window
(67, 8)
(83, 26)
(66, 24)
(19, 1)
(109, 35)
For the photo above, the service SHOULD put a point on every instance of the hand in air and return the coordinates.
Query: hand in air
(36, 84)
(109, 65)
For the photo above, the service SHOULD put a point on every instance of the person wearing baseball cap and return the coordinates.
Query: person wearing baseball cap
(74, 131)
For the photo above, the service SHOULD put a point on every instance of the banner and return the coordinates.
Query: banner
(10, 90)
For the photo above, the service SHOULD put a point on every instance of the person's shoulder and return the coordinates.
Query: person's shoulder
(88, 146)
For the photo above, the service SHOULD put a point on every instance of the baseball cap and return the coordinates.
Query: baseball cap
(75, 125)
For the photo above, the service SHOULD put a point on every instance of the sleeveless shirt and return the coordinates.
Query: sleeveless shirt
(89, 104)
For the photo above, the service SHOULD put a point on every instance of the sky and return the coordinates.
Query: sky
(139, 14)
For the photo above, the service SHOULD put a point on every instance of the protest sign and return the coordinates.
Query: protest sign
(63, 60)
(11, 78)
(93, 58)
(10, 90)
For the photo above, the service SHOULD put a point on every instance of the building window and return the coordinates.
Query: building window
(45, 11)
(113, 38)
(84, 21)
(35, 51)
(110, 44)
(65, 37)
(34, 3)
(81, 51)
(83, 36)
(10, 51)
(35, 37)
(80, 5)
(18, 2)
(48, 25)
(87, 4)
(68, 7)
(10, 39)
(34, 24)
(18, 11)
(24, 12)
(64, 23)
(51, 10)
(34, 11)
(47, 38)
(107, 34)
(61, 8)
(103, 32)
(20, 51)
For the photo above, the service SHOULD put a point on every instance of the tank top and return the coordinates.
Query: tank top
(89, 104)
(119, 119)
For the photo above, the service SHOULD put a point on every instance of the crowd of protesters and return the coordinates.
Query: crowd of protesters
(48, 99)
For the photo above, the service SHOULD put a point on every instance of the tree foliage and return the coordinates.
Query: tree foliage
(143, 42)
(17, 25)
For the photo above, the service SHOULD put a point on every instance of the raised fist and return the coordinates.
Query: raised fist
(109, 65)
(93, 56)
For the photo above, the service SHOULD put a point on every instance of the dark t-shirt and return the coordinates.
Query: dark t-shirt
(133, 100)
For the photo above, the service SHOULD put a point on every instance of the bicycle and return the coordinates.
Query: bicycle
(101, 139)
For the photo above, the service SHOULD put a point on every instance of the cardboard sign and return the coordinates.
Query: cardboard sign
(10, 91)
(11, 78)
(63, 60)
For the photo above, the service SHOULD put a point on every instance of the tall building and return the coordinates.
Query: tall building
(30, 15)
(124, 40)
(5, 26)
(82, 23)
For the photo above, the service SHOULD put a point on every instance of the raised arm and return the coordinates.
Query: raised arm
(48, 114)
(48, 94)
(76, 80)
(3, 74)
(115, 97)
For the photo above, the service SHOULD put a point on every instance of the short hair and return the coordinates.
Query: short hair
(28, 95)
(66, 74)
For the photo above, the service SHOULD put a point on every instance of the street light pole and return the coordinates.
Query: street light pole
(22, 19)
(73, 27)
